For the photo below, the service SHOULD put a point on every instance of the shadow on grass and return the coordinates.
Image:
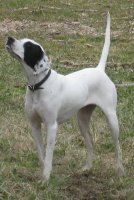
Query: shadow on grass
(97, 186)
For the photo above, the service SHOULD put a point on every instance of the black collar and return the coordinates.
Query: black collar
(37, 85)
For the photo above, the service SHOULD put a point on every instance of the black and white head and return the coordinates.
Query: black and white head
(29, 53)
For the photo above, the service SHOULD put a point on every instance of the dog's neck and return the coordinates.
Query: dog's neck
(38, 73)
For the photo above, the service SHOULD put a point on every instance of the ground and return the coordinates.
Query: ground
(72, 33)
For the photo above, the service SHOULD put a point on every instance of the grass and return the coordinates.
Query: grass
(72, 32)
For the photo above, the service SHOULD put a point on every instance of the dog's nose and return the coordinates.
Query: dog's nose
(10, 41)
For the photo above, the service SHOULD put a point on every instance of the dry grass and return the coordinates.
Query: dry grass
(72, 32)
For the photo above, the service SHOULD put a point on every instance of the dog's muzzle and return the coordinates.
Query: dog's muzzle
(9, 47)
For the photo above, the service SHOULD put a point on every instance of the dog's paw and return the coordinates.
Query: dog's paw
(45, 176)
(87, 167)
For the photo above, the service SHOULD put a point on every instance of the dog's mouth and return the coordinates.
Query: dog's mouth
(12, 53)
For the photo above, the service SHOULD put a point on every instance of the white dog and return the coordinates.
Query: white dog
(53, 98)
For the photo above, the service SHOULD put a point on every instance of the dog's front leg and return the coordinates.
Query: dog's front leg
(51, 137)
(36, 132)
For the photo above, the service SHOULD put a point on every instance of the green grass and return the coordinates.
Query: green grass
(72, 32)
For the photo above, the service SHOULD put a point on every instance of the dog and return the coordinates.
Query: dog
(52, 98)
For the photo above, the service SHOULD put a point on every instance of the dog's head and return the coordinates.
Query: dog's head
(29, 53)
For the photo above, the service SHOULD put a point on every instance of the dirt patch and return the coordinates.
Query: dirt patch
(50, 28)
(89, 186)
(70, 28)
(16, 26)
(85, 187)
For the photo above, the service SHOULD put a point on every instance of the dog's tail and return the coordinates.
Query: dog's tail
(104, 55)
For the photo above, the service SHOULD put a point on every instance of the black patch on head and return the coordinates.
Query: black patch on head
(32, 54)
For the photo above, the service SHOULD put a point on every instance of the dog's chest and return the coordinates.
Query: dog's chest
(33, 104)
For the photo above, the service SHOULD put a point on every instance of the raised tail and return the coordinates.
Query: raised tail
(104, 55)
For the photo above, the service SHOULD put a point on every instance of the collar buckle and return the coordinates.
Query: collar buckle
(31, 87)
(37, 85)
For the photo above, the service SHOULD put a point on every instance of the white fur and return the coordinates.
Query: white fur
(63, 96)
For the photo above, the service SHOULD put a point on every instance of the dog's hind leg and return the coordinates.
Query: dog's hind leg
(113, 122)
(84, 116)
(109, 108)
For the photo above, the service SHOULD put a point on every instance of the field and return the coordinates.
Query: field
(72, 32)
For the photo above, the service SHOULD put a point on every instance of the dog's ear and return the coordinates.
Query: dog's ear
(33, 54)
